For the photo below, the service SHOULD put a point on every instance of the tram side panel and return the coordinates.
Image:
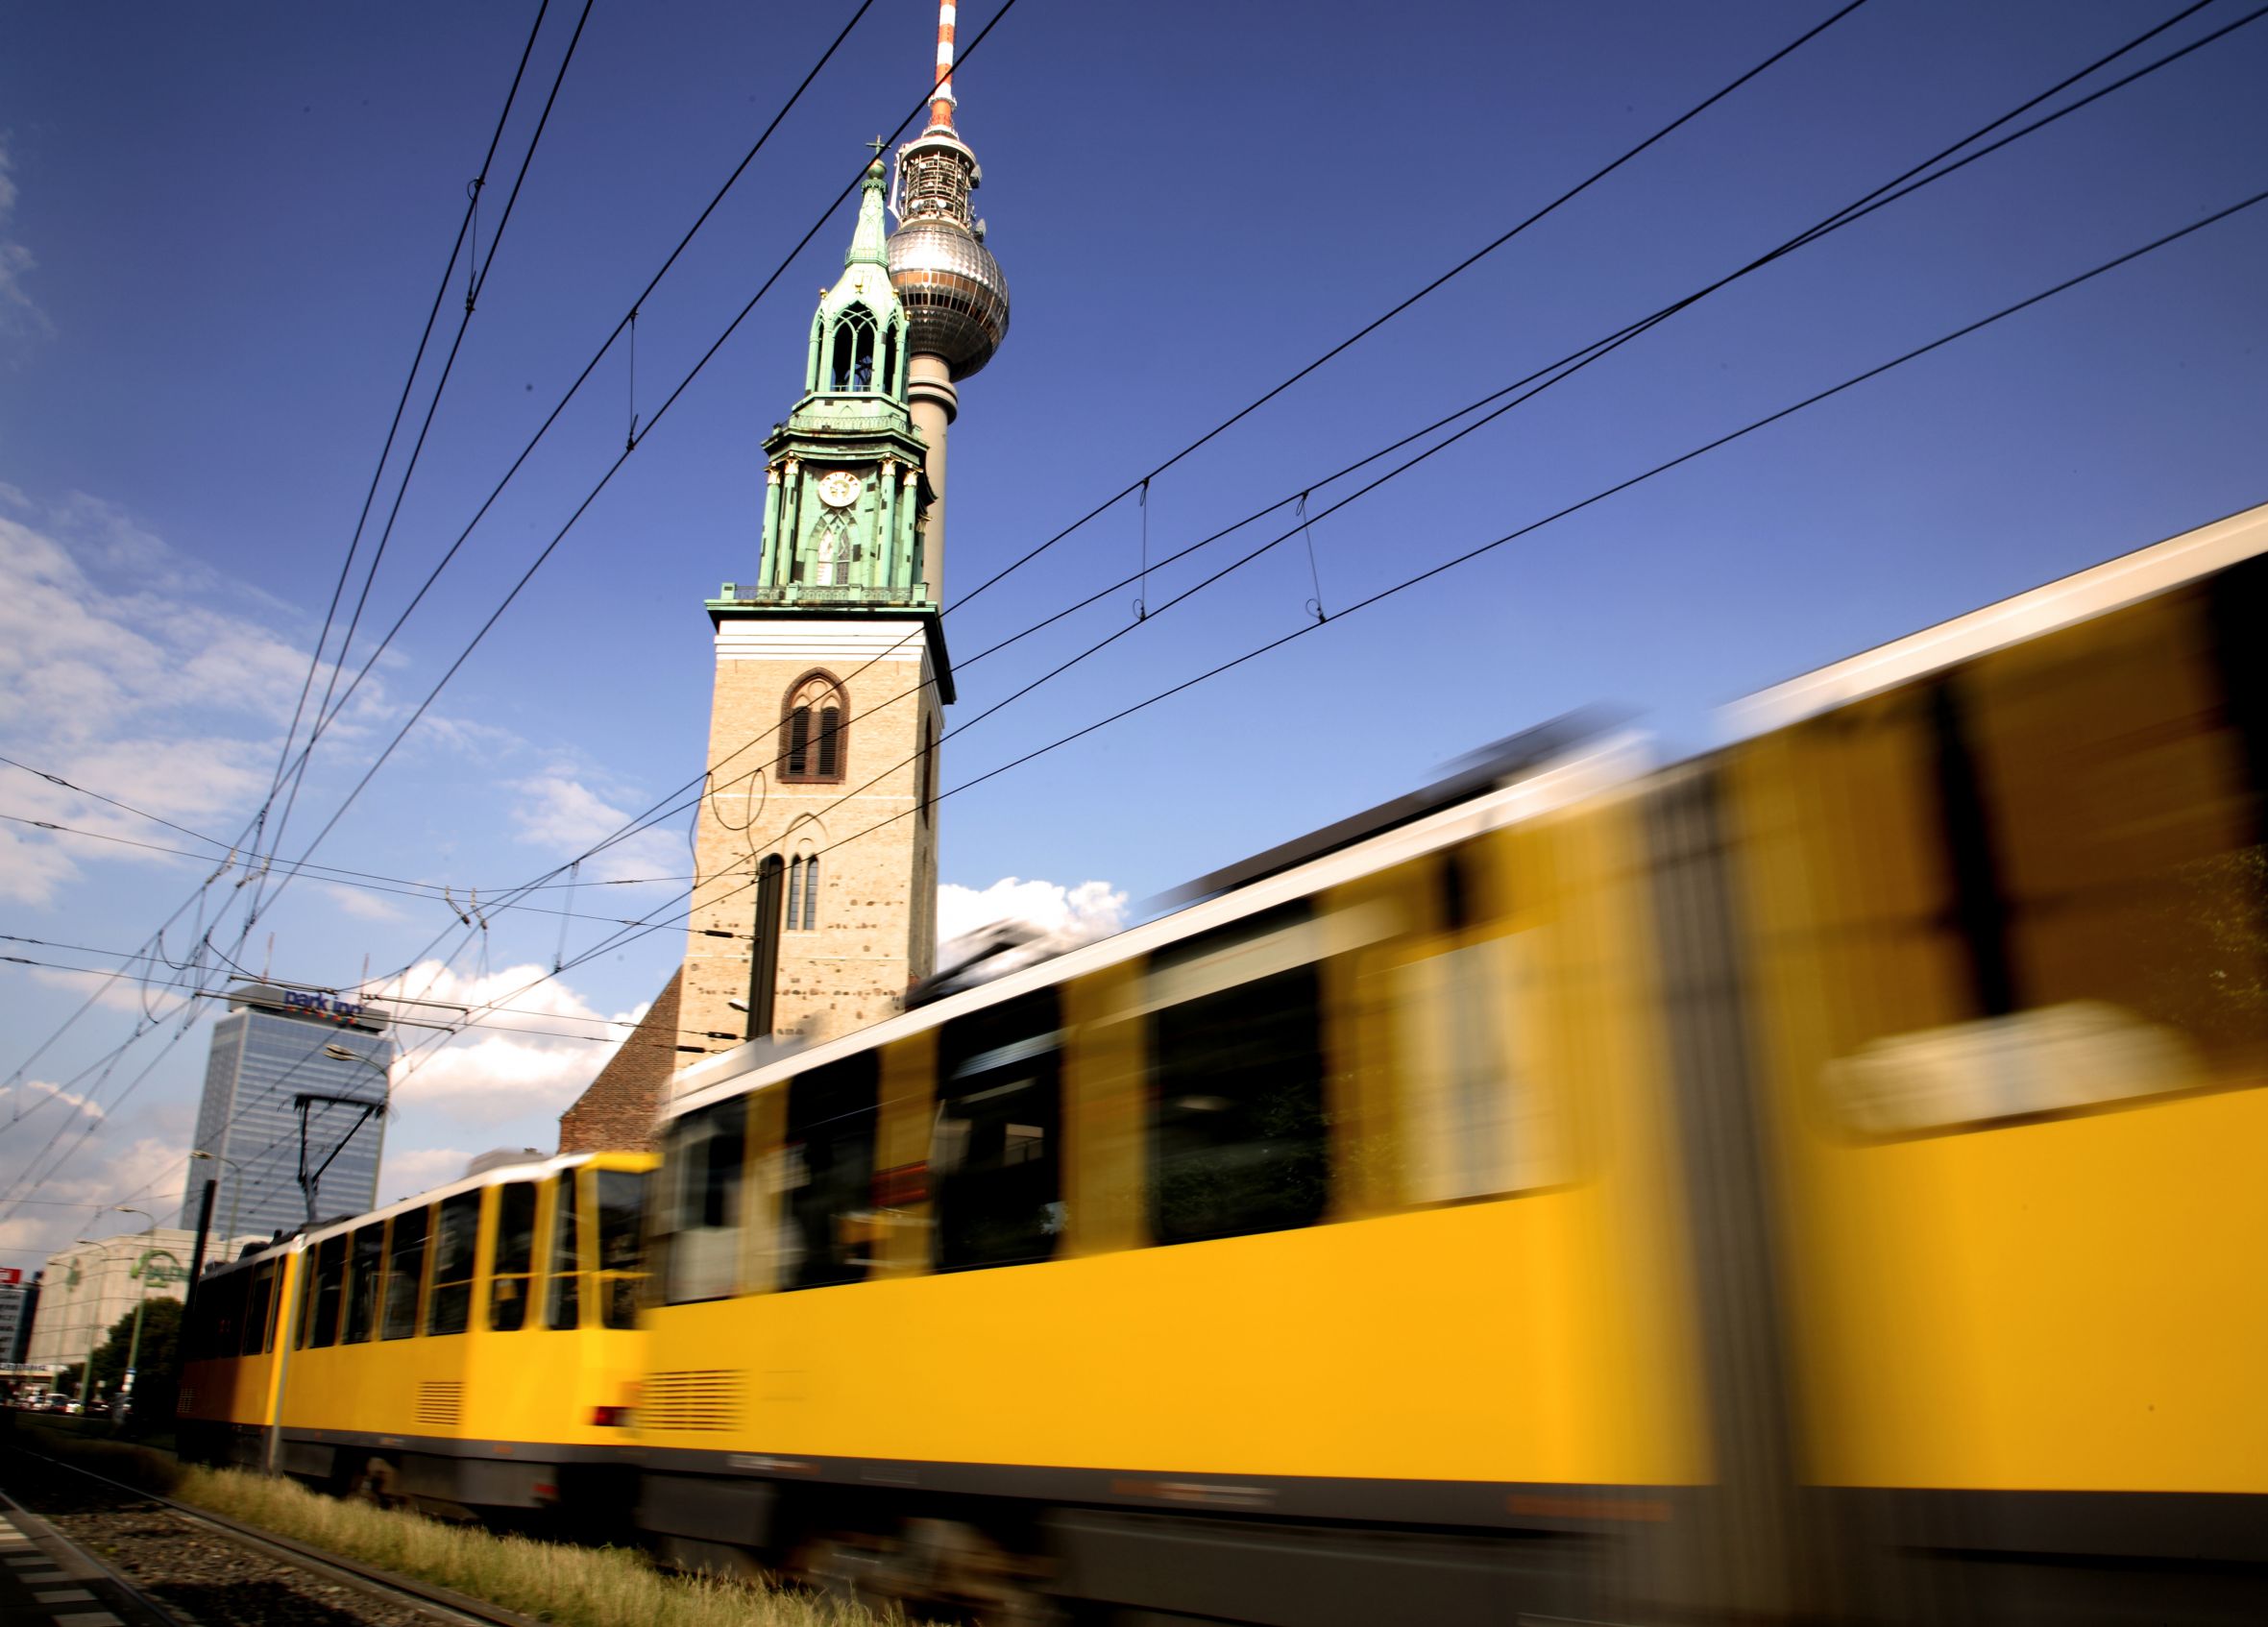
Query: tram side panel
(476, 1350)
(232, 1374)
(2009, 926)
(1363, 1208)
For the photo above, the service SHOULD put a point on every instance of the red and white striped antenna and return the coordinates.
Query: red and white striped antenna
(941, 101)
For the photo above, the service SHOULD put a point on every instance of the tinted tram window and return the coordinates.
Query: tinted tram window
(621, 1213)
(830, 1173)
(214, 1328)
(448, 1309)
(368, 1259)
(330, 1279)
(259, 1337)
(564, 1307)
(512, 1255)
(706, 1152)
(1237, 1119)
(995, 1154)
(406, 1271)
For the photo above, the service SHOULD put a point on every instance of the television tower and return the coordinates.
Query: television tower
(949, 283)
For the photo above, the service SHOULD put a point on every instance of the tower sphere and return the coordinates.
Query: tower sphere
(953, 291)
(947, 280)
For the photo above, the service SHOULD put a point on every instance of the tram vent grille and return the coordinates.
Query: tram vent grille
(696, 1398)
(440, 1405)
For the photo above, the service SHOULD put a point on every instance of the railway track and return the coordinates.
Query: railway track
(101, 1553)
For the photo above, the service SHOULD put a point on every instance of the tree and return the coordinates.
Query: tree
(154, 1384)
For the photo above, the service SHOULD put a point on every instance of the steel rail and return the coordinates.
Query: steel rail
(48, 1539)
(446, 1604)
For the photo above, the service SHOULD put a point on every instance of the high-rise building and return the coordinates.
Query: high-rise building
(19, 1301)
(284, 1060)
(815, 903)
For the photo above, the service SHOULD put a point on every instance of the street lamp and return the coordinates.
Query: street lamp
(142, 1299)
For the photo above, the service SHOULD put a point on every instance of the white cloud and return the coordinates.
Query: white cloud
(17, 311)
(34, 1095)
(135, 1158)
(560, 813)
(409, 1171)
(32, 870)
(537, 1046)
(362, 904)
(1088, 911)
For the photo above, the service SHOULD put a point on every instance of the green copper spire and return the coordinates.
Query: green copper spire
(844, 486)
(870, 244)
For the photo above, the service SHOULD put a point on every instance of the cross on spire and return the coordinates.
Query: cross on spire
(878, 143)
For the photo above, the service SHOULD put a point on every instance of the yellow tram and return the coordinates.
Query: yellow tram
(1813, 1182)
(474, 1347)
(1816, 1181)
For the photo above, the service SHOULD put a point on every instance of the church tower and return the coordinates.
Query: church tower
(815, 896)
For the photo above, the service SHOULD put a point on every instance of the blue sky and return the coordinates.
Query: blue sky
(220, 229)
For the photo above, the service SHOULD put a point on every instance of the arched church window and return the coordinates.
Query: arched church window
(832, 552)
(851, 364)
(803, 894)
(814, 728)
(763, 967)
(925, 773)
(889, 360)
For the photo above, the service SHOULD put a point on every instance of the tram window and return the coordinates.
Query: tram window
(996, 1152)
(829, 1172)
(367, 1262)
(260, 1302)
(322, 1305)
(706, 1152)
(405, 1272)
(512, 1256)
(564, 1307)
(448, 1308)
(214, 1329)
(1237, 1124)
(1476, 1122)
(622, 1205)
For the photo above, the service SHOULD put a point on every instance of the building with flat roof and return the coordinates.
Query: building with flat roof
(88, 1287)
(282, 1057)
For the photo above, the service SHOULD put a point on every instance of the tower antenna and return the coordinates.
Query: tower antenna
(941, 100)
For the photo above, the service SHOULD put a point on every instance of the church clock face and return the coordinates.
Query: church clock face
(838, 488)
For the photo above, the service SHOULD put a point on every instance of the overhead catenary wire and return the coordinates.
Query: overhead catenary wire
(956, 789)
(274, 839)
(616, 940)
(973, 45)
(256, 823)
(1912, 179)
(402, 402)
(625, 326)
(1140, 484)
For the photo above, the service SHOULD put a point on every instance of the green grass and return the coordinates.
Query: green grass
(575, 1587)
